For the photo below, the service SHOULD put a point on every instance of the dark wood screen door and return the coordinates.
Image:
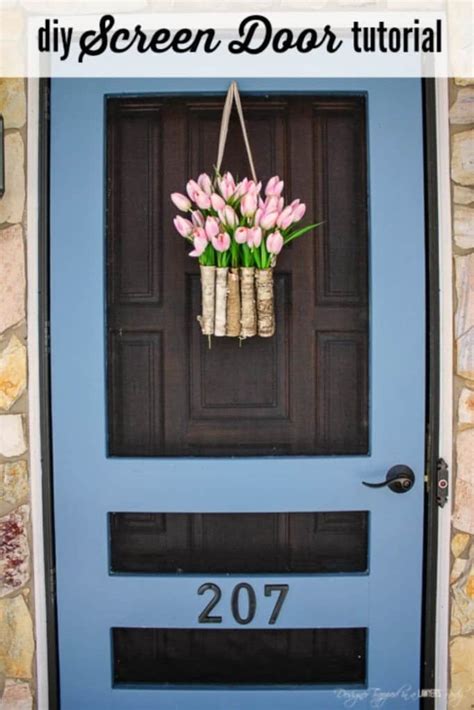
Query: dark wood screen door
(216, 545)
(305, 391)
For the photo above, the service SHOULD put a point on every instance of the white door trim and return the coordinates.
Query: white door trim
(446, 285)
(34, 428)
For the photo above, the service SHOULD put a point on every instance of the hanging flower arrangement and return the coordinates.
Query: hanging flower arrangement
(236, 231)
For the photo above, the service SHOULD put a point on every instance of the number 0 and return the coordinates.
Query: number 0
(252, 603)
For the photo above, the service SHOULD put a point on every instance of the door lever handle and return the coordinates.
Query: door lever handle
(399, 479)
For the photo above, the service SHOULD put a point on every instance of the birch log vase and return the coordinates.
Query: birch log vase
(233, 303)
(248, 316)
(265, 304)
(208, 294)
(221, 301)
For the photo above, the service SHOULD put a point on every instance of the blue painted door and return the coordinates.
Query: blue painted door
(386, 599)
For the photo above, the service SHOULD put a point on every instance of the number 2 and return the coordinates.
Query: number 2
(204, 617)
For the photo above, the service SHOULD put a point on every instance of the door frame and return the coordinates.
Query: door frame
(433, 666)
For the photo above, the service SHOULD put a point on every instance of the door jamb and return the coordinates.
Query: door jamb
(427, 679)
(44, 379)
(444, 375)
(433, 668)
(38, 394)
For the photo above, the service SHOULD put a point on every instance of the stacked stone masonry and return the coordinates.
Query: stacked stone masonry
(16, 597)
(462, 541)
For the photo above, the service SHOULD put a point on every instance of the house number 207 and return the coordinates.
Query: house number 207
(243, 602)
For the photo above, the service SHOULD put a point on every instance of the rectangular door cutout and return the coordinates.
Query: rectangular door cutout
(303, 391)
(235, 656)
(238, 542)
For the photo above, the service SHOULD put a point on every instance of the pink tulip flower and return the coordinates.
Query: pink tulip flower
(295, 204)
(227, 186)
(228, 216)
(268, 220)
(212, 227)
(248, 204)
(217, 202)
(274, 243)
(285, 218)
(183, 226)
(258, 216)
(298, 212)
(242, 188)
(202, 200)
(247, 187)
(274, 186)
(181, 201)
(197, 218)
(200, 233)
(272, 204)
(192, 188)
(241, 235)
(221, 242)
(205, 183)
(254, 237)
(200, 244)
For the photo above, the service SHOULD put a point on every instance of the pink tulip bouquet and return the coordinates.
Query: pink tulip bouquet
(237, 234)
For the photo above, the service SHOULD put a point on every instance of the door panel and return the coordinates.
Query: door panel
(105, 612)
(304, 391)
(226, 657)
(239, 542)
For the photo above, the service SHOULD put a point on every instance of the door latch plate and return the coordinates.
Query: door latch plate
(442, 487)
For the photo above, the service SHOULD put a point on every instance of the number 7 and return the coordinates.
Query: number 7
(283, 591)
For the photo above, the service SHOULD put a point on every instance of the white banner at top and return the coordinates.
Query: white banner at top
(67, 39)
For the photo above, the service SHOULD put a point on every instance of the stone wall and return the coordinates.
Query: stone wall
(16, 597)
(462, 542)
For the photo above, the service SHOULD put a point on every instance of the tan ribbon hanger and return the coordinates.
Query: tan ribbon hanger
(233, 95)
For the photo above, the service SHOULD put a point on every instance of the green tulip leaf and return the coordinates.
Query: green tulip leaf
(300, 232)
